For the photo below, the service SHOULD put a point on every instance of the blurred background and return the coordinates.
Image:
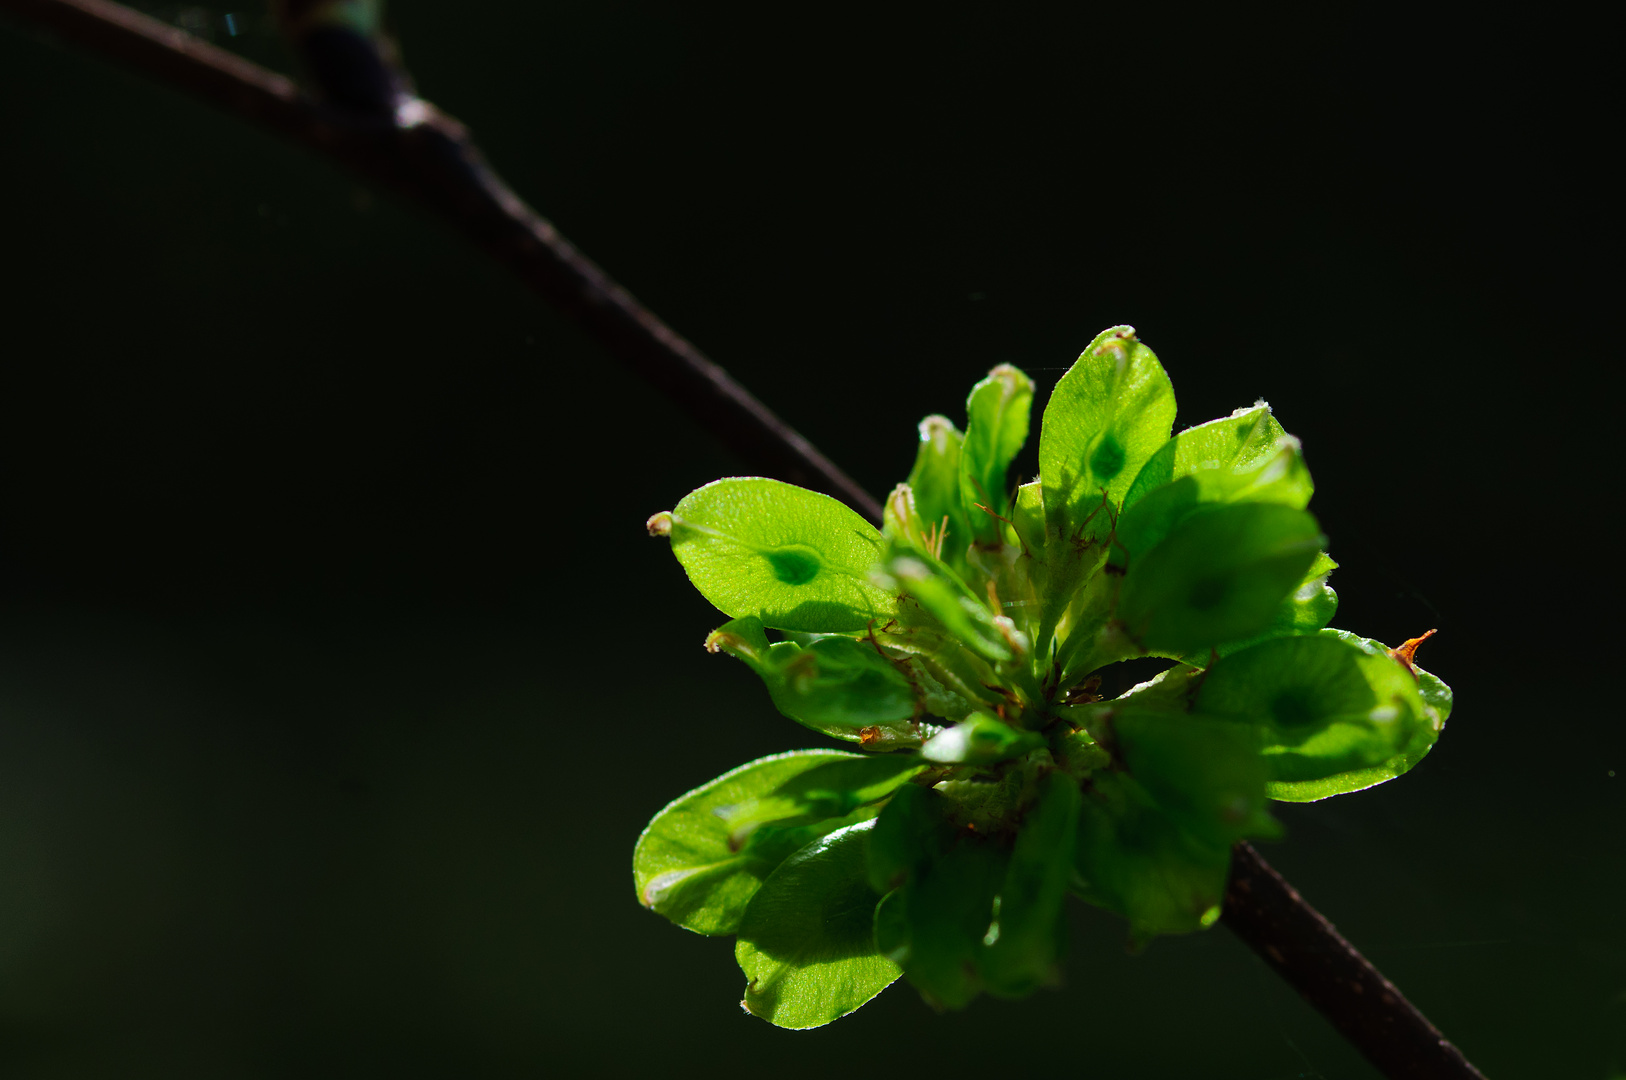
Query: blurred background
(338, 677)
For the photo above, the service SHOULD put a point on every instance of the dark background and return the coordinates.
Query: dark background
(337, 676)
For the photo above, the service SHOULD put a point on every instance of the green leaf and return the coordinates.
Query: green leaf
(794, 558)
(1236, 443)
(1220, 575)
(1207, 774)
(1110, 413)
(912, 828)
(979, 739)
(827, 791)
(1310, 607)
(807, 941)
(930, 588)
(1334, 717)
(1024, 942)
(1280, 478)
(694, 867)
(935, 925)
(841, 687)
(1132, 858)
(996, 427)
(935, 481)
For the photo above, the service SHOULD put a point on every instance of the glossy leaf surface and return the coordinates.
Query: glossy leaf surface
(807, 941)
(794, 558)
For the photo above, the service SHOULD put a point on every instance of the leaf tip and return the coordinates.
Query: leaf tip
(1406, 651)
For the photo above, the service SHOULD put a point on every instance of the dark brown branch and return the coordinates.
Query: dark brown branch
(428, 155)
(1305, 949)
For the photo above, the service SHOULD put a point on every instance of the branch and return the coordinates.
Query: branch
(392, 138)
(428, 155)
(1265, 911)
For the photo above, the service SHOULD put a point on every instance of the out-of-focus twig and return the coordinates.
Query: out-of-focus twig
(421, 151)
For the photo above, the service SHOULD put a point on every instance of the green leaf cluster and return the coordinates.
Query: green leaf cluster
(961, 648)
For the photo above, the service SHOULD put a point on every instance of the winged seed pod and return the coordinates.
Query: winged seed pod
(959, 651)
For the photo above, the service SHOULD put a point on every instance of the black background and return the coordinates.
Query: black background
(337, 676)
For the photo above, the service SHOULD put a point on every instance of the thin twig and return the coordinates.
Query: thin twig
(1265, 911)
(429, 155)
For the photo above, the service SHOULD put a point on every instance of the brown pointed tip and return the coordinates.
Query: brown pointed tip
(660, 524)
(1405, 651)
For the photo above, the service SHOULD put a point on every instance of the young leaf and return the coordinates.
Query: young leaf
(996, 427)
(796, 559)
(1310, 608)
(1132, 858)
(979, 739)
(1334, 718)
(836, 685)
(931, 588)
(807, 941)
(1111, 412)
(692, 866)
(1280, 478)
(1023, 944)
(911, 830)
(935, 481)
(1206, 774)
(1219, 575)
(1235, 443)
(830, 790)
(935, 925)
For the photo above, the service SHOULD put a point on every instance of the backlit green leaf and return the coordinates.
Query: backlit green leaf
(1280, 478)
(807, 941)
(979, 739)
(1220, 575)
(996, 427)
(911, 830)
(1235, 443)
(1110, 413)
(1334, 718)
(935, 480)
(836, 685)
(830, 790)
(699, 870)
(1207, 774)
(935, 925)
(1023, 944)
(1134, 859)
(794, 558)
(930, 588)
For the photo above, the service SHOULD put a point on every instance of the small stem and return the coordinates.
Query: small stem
(1305, 949)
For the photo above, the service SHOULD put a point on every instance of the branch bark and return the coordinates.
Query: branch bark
(1265, 911)
(428, 155)
(416, 149)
